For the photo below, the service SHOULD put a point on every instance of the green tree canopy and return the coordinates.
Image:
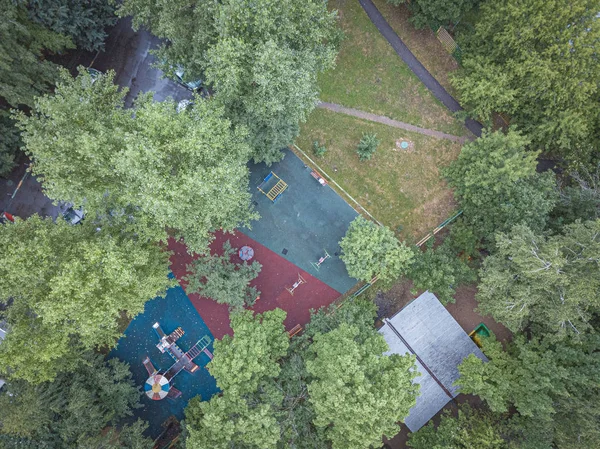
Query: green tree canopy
(245, 367)
(24, 73)
(536, 61)
(216, 277)
(261, 58)
(241, 362)
(496, 185)
(552, 386)
(66, 283)
(549, 283)
(83, 21)
(470, 429)
(440, 271)
(370, 250)
(72, 411)
(436, 13)
(357, 393)
(184, 171)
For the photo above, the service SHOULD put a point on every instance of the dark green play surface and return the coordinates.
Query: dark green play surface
(307, 219)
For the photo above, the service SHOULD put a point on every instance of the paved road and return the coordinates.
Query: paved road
(389, 122)
(413, 63)
(128, 53)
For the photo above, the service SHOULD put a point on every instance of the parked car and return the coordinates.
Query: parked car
(191, 85)
(73, 216)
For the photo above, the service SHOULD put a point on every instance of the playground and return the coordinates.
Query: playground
(167, 348)
(296, 241)
(304, 222)
(276, 278)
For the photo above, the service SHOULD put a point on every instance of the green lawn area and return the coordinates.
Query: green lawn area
(401, 188)
(370, 76)
(423, 43)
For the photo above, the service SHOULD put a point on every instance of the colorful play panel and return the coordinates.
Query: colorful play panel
(167, 374)
(305, 223)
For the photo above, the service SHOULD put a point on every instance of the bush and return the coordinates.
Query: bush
(319, 149)
(370, 250)
(367, 146)
(217, 277)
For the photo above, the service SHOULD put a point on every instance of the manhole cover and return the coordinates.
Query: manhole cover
(284, 251)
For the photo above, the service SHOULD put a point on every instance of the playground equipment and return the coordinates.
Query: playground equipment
(294, 330)
(297, 284)
(317, 265)
(158, 386)
(315, 174)
(246, 253)
(278, 186)
(481, 331)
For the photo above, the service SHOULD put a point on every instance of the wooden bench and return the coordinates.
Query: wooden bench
(294, 330)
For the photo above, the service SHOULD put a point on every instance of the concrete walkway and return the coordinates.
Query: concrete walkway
(415, 65)
(390, 122)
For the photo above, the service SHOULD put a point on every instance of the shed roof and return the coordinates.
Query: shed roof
(425, 328)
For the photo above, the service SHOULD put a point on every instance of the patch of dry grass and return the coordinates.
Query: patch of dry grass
(402, 189)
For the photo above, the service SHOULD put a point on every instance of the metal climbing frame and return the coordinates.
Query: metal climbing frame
(274, 192)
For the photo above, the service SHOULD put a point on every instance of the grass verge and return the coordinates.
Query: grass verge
(370, 76)
(423, 43)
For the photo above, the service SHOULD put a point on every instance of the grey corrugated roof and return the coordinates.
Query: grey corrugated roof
(440, 345)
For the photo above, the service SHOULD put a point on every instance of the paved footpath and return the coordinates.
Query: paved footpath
(415, 65)
(390, 122)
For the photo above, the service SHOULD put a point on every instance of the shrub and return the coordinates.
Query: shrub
(367, 146)
(319, 149)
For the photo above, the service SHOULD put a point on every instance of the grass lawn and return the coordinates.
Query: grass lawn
(401, 188)
(423, 43)
(370, 76)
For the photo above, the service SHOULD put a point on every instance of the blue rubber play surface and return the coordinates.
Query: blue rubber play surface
(140, 341)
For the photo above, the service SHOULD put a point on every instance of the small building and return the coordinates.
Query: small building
(426, 329)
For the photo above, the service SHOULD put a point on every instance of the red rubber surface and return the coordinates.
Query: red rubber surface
(277, 273)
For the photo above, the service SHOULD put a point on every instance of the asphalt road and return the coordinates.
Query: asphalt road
(127, 52)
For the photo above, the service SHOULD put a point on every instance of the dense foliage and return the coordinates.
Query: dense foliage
(23, 71)
(497, 186)
(436, 13)
(153, 168)
(440, 271)
(370, 250)
(536, 61)
(552, 386)
(278, 394)
(73, 411)
(217, 277)
(470, 429)
(357, 394)
(548, 284)
(261, 58)
(68, 286)
(85, 22)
